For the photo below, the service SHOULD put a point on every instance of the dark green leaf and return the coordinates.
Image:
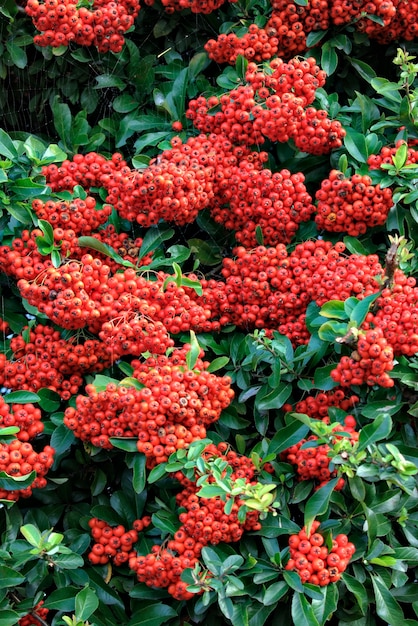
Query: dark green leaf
(99, 246)
(302, 612)
(21, 397)
(318, 503)
(387, 608)
(86, 602)
(287, 436)
(377, 431)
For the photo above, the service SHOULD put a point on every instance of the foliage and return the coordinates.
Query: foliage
(208, 314)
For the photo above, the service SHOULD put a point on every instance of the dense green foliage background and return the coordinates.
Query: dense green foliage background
(59, 102)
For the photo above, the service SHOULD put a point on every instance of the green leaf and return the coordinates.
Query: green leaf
(62, 599)
(86, 602)
(334, 309)
(158, 472)
(325, 608)
(377, 431)
(318, 503)
(286, 437)
(139, 472)
(7, 616)
(49, 400)
(218, 364)
(358, 590)
(360, 311)
(9, 577)
(21, 397)
(371, 409)
(10, 483)
(329, 58)
(62, 439)
(314, 37)
(68, 561)
(267, 399)
(302, 612)
(387, 608)
(330, 331)
(193, 352)
(124, 443)
(153, 239)
(104, 248)
(7, 147)
(31, 534)
(62, 119)
(363, 69)
(275, 592)
(356, 145)
(152, 615)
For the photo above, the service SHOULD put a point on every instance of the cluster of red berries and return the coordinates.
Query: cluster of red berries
(289, 24)
(26, 417)
(387, 153)
(204, 522)
(369, 363)
(258, 44)
(81, 216)
(196, 6)
(171, 410)
(315, 563)
(254, 199)
(18, 458)
(270, 288)
(273, 105)
(174, 187)
(22, 259)
(317, 406)
(133, 334)
(42, 358)
(87, 170)
(63, 21)
(114, 542)
(31, 618)
(351, 205)
(312, 461)
(284, 34)
(396, 314)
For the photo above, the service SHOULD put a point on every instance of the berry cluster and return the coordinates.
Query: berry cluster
(133, 334)
(289, 24)
(114, 543)
(78, 215)
(270, 288)
(369, 363)
(18, 458)
(317, 406)
(315, 563)
(171, 410)
(396, 314)
(31, 618)
(174, 187)
(196, 6)
(255, 199)
(272, 105)
(42, 358)
(312, 461)
(63, 21)
(88, 170)
(351, 205)
(258, 44)
(22, 259)
(204, 522)
(26, 417)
